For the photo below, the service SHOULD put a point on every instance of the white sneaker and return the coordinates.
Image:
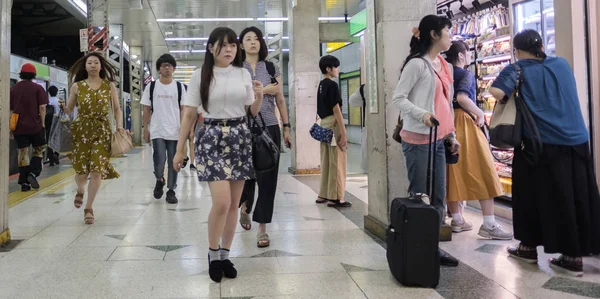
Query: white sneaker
(495, 232)
(461, 227)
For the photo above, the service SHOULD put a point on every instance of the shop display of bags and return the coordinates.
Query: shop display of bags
(61, 138)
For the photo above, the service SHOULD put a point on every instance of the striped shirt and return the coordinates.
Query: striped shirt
(268, 106)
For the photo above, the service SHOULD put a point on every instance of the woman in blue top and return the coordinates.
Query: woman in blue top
(474, 176)
(555, 201)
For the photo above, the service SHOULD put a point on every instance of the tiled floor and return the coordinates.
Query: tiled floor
(140, 247)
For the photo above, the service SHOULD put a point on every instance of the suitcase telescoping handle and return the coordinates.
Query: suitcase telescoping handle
(431, 161)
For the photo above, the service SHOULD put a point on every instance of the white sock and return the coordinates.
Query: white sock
(458, 218)
(213, 254)
(224, 254)
(489, 221)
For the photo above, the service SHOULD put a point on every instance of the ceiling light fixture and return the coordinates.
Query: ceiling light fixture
(187, 51)
(186, 38)
(282, 19)
(172, 39)
(332, 18)
(81, 6)
(278, 19)
(449, 12)
(463, 8)
(207, 20)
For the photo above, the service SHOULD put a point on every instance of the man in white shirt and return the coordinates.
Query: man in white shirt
(52, 111)
(162, 120)
(357, 99)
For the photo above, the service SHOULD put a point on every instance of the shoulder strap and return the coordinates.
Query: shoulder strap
(179, 92)
(152, 85)
(270, 68)
(362, 95)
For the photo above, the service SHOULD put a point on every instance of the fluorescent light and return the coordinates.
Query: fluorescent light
(206, 20)
(116, 37)
(359, 34)
(138, 62)
(186, 66)
(187, 51)
(171, 39)
(134, 56)
(332, 18)
(282, 50)
(276, 19)
(81, 5)
(185, 38)
(271, 19)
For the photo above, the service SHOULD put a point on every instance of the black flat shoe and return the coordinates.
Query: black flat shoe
(228, 270)
(447, 260)
(215, 270)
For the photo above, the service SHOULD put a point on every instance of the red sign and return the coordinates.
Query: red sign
(148, 80)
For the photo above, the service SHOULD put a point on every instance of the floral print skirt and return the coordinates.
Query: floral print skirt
(224, 153)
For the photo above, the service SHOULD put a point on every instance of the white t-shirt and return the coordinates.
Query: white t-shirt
(230, 91)
(166, 117)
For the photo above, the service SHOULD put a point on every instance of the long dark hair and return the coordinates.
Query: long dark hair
(78, 73)
(530, 41)
(420, 45)
(264, 51)
(457, 47)
(217, 37)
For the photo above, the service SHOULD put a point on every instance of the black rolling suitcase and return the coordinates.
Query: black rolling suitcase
(414, 232)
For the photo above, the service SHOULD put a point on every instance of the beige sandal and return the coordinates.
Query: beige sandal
(263, 240)
(88, 216)
(78, 200)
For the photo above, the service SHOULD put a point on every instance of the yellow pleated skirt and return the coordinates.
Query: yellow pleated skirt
(474, 177)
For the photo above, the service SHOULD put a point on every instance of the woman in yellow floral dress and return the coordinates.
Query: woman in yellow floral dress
(92, 92)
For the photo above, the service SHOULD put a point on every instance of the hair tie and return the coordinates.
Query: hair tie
(416, 33)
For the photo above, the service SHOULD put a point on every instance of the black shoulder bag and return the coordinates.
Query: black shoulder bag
(265, 153)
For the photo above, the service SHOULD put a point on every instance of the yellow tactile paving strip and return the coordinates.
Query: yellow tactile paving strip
(18, 197)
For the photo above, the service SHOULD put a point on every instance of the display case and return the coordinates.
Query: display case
(539, 16)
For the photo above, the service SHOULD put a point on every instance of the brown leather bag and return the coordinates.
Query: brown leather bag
(396, 135)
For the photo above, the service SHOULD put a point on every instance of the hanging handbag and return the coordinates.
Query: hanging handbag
(265, 153)
(319, 133)
(121, 143)
(396, 135)
(506, 122)
(14, 119)
(510, 118)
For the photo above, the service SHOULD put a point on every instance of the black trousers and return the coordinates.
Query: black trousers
(267, 187)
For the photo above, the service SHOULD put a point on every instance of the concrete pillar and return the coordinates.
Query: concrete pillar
(135, 88)
(304, 77)
(5, 19)
(389, 24)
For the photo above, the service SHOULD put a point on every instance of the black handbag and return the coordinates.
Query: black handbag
(265, 153)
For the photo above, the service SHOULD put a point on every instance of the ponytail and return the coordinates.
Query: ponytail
(421, 40)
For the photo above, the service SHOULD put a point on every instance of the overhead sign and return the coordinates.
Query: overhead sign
(83, 40)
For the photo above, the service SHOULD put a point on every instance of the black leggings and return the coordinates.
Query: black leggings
(267, 187)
